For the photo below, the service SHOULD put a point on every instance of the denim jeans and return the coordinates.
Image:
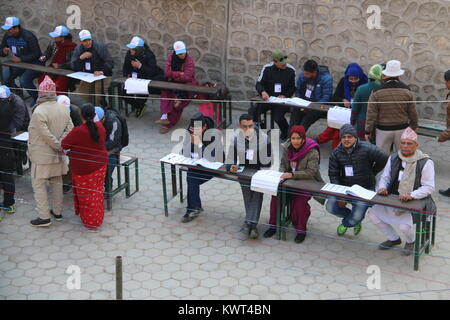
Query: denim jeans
(113, 162)
(350, 217)
(26, 79)
(194, 180)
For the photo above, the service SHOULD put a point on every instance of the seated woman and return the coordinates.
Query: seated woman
(300, 159)
(343, 96)
(59, 53)
(140, 62)
(180, 68)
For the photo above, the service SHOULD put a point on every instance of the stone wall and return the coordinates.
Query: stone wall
(233, 39)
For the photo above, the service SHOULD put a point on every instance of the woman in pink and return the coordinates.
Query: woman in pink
(180, 68)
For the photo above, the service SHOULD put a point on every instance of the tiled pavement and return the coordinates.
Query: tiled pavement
(209, 258)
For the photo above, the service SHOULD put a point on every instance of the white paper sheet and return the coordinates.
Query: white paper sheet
(208, 164)
(175, 158)
(335, 188)
(137, 86)
(85, 76)
(338, 116)
(355, 190)
(292, 101)
(266, 181)
(22, 137)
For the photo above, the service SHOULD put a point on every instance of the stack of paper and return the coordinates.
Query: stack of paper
(355, 190)
(338, 116)
(175, 158)
(266, 181)
(85, 76)
(137, 86)
(292, 101)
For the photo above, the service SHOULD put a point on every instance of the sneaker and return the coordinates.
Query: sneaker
(269, 232)
(357, 229)
(445, 193)
(388, 244)
(341, 230)
(41, 222)
(57, 217)
(408, 249)
(187, 218)
(300, 237)
(10, 209)
(253, 232)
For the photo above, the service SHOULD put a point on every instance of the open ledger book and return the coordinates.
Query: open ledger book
(266, 181)
(85, 76)
(175, 158)
(355, 190)
(292, 101)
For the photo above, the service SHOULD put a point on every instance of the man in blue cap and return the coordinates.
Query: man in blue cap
(22, 46)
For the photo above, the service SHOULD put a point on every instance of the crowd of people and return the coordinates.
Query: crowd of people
(380, 137)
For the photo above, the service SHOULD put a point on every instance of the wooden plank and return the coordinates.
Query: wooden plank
(38, 68)
(313, 106)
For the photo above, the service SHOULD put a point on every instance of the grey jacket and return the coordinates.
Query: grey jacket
(21, 116)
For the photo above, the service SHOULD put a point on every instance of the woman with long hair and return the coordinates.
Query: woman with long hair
(88, 162)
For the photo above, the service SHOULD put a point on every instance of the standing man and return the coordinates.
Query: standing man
(315, 84)
(50, 123)
(252, 149)
(22, 46)
(92, 57)
(446, 134)
(391, 109)
(277, 79)
(353, 162)
(409, 174)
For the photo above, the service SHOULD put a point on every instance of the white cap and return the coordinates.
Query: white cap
(84, 35)
(393, 69)
(179, 47)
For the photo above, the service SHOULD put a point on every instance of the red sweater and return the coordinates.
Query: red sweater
(86, 156)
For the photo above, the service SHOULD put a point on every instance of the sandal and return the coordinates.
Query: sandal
(164, 130)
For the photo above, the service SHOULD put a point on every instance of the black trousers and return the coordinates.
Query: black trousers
(277, 112)
(7, 167)
(305, 118)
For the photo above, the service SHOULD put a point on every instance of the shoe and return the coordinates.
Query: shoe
(41, 222)
(388, 244)
(408, 249)
(357, 229)
(187, 218)
(67, 188)
(24, 159)
(341, 230)
(57, 217)
(10, 209)
(253, 232)
(269, 232)
(162, 121)
(300, 237)
(445, 192)
(164, 130)
(196, 212)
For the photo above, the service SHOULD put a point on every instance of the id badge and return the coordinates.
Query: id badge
(14, 50)
(293, 166)
(277, 88)
(134, 75)
(308, 93)
(87, 66)
(400, 175)
(348, 171)
(249, 154)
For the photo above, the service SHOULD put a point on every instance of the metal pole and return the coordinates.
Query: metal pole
(119, 287)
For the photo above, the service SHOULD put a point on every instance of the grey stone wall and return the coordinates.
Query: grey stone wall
(231, 40)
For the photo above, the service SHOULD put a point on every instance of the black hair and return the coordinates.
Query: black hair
(310, 66)
(68, 37)
(245, 117)
(447, 75)
(88, 113)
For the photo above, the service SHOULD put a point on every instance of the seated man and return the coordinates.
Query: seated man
(353, 162)
(252, 149)
(315, 84)
(276, 79)
(203, 142)
(409, 173)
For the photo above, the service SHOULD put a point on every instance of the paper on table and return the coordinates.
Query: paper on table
(266, 181)
(338, 116)
(335, 188)
(137, 86)
(208, 164)
(85, 76)
(175, 158)
(355, 190)
(292, 101)
(21, 137)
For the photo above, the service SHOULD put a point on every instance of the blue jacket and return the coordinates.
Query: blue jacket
(323, 89)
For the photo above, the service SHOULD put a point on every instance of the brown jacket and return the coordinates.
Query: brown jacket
(446, 134)
(399, 113)
(307, 169)
(50, 123)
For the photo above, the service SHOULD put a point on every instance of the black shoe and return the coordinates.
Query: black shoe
(41, 222)
(57, 217)
(187, 218)
(269, 233)
(388, 244)
(300, 237)
(67, 188)
(445, 192)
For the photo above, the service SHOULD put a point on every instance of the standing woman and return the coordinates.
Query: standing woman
(180, 68)
(88, 162)
(299, 161)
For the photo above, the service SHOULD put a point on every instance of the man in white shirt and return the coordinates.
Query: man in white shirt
(409, 173)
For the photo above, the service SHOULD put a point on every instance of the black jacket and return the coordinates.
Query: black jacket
(101, 59)
(6, 119)
(270, 75)
(27, 45)
(366, 160)
(113, 128)
(149, 69)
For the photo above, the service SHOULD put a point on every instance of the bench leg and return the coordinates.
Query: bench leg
(174, 180)
(279, 209)
(108, 193)
(180, 173)
(229, 112)
(417, 244)
(433, 229)
(164, 186)
(284, 210)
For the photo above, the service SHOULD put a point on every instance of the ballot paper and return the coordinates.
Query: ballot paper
(355, 190)
(85, 76)
(266, 181)
(208, 164)
(338, 116)
(175, 158)
(137, 86)
(22, 137)
(292, 101)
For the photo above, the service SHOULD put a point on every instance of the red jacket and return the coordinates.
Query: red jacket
(188, 68)
(85, 155)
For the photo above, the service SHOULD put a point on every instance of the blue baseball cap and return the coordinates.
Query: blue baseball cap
(99, 114)
(4, 92)
(11, 22)
(60, 31)
(135, 42)
(84, 35)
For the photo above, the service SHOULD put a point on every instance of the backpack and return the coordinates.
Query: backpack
(124, 139)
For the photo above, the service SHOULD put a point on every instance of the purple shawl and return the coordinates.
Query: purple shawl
(297, 156)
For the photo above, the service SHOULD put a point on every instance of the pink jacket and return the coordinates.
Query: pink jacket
(188, 68)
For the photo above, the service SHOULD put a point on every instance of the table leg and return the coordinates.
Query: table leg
(283, 215)
(433, 228)
(279, 206)
(163, 176)
(174, 180)
(417, 244)
(180, 173)
(229, 112)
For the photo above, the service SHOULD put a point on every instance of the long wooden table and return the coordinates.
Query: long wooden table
(425, 221)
